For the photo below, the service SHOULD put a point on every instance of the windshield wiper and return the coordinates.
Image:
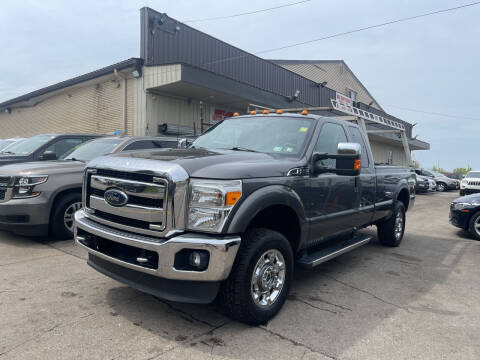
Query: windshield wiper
(239, 148)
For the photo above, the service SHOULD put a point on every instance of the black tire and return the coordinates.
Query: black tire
(236, 296)
(441, 187)
(386, 230)
(462, 192)
(57, 221)
(475, 221)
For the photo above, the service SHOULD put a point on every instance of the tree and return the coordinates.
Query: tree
(438, 169)
(462, 171)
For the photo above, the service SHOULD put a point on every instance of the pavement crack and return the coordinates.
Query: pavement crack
(31, 339)
(294, 297)
(297, 343)
(368, 293)
(190, 316)
(65, 252)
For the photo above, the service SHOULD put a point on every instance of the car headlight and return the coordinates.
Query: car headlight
(211, 202)
(460, 206)
(24, 186)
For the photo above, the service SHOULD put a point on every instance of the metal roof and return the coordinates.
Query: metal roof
(132, 62)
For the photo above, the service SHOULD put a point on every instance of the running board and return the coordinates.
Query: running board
(316, 258)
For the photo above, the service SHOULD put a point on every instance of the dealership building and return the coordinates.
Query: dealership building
(185, 80)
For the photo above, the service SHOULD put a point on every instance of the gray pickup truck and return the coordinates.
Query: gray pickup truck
(233, 213)
(38, 197)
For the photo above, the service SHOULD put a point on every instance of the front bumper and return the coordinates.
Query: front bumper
(222, 250)
(25, 216)
(459, 219)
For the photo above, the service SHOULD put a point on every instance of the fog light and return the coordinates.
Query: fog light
(191, 260)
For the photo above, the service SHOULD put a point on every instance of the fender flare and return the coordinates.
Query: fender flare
(261, 199)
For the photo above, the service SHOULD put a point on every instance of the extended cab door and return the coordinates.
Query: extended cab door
(332, 198)
(366, 182)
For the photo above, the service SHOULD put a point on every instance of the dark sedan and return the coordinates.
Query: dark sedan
(465, 214)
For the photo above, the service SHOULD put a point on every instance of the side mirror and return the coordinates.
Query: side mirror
(183, 143)
(347, 160)
(48, 155)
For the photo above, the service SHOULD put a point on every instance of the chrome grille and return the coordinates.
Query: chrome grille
(4, 181)
(475, 183)
(144, 212)
(2, 193)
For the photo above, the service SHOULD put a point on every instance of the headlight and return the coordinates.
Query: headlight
(460, 206)
(211, 202)
(24, 186)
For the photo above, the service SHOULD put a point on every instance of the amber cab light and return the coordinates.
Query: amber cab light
(266, 111)
(304, 112)
(279, 111)
(236, 114)
(253, 112)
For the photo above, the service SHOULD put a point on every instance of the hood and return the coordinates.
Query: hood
(216, 164)
(11, 159)
(470, 199)
(42, 168)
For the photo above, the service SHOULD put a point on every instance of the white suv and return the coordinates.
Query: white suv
(470, 183)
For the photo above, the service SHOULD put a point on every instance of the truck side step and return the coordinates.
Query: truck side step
(318, 257)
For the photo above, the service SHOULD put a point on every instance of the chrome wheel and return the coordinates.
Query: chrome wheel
(268, 278)
(68, 215)
(399, 224)
(476, 226)
(441, 187)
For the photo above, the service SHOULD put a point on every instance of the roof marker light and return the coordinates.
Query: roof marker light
(266, 111)
(253, 112)
(236, 114)
(279, 111)
(304, 112)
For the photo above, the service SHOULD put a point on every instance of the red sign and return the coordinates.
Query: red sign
(219, 115)
(344, 99)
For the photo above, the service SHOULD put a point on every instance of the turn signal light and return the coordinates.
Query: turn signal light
(356, 165)
(304, 112)
(232, 197)
(236, 114)
(266, 111)
(279, 111)
(253, 112)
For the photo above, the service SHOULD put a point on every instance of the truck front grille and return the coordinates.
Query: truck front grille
(2, 193)
(474, 183)
(4, 181)
(143, 210)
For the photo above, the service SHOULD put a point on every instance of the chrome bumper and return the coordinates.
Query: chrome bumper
(222, 249)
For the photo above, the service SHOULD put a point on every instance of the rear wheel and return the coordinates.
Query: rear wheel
(391, 231)
(462, 192)
(474, 227)
(62, 220)
(260, 279)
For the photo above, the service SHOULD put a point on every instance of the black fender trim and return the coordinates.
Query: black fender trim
(261, 199)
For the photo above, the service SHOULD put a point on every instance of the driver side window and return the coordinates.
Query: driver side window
(330, 136)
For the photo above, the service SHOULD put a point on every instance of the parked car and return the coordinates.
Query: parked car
(6, 143)
(425, 184)
(232, 213)
(465, 214)
(38, 197)
(470, 184)
(42, 147)
(443, 183)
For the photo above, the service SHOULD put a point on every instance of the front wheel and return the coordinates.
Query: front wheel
(474, 226)
(391, 231)
(462, 192)
(62, 220)
(260, 279)
(441, 187)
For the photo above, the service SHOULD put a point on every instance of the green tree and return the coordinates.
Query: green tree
(462, 170)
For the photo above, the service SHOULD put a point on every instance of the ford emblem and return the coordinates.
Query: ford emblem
(115, 197)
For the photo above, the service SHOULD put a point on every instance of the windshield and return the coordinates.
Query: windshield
(269, 134)
(473, 174)
(92, 149)
(5, 143)
(438, 174)
(28, 146)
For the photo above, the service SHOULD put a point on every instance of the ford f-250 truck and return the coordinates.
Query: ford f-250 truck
(229, 216)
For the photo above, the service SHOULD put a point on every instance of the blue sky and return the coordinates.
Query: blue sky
(430, 64)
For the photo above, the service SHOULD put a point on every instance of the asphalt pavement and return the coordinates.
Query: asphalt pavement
(417, 301)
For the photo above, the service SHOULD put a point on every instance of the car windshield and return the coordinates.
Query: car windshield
(92, 149)
(4, 144)
(269, 134)
(473, 174)
(28, 146)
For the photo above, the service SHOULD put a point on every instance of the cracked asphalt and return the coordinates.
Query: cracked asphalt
(418, 301)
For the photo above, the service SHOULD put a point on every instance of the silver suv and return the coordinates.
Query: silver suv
(41, 197)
